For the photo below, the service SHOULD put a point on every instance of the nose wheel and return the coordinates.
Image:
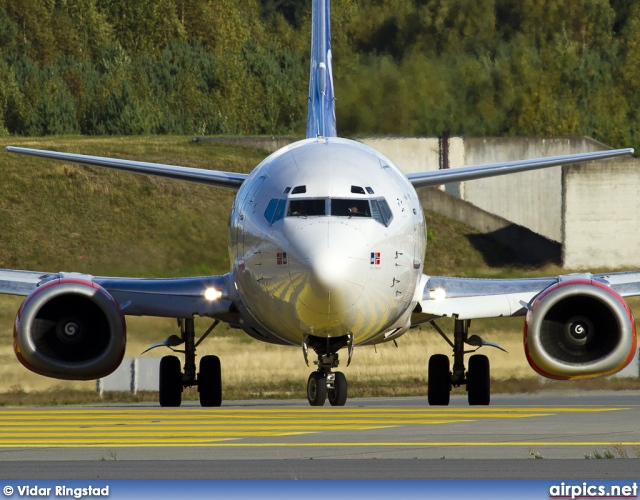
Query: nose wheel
(316, 389)
(338, 395)
(323, 386)
(326, 384)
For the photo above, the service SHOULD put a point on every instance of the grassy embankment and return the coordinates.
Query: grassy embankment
(56, 216)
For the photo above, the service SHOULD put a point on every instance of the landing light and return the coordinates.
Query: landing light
(212, 294)
(437, 294)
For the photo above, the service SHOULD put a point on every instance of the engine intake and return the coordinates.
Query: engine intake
(70, 329)
(579, 328)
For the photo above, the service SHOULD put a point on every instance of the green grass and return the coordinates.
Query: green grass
(56, 216)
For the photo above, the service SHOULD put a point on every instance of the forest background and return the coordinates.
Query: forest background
(405, 67)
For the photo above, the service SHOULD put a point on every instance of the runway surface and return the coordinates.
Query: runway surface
(373, 438)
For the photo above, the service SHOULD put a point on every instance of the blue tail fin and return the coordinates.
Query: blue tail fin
(321, 117)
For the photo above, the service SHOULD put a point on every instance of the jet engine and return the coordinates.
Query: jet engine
(579, 328)
(70, 329)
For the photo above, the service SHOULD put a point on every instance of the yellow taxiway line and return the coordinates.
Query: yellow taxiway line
(233, 427)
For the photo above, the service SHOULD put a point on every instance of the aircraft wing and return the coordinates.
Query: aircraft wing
(216, 178)
(470, 298)
(438, 177)
(163, 297)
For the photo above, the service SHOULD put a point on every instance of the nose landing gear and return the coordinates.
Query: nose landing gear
(324, 383)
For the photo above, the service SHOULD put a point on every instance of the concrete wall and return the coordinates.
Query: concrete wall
(416, 154)
(269, 144)
(527, 246)
(602, 214)
(133, 375)
(530, 199)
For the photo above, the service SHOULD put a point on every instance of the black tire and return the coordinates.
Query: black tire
(479, 380)
(316, 389)
(170, 381)
(338, 396)
(439, 381)
(210, 381)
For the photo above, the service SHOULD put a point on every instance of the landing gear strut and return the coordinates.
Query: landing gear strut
(324, 383)
(476, 378)
(173, 380)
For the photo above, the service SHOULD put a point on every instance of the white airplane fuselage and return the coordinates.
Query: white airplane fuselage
(327, 238)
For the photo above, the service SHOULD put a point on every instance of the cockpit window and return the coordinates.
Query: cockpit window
(271, 210)
(357, 190)
(307, 208)
(386, 211)
(275, 210)
(350, 208)
(299, 190)
(381, 212)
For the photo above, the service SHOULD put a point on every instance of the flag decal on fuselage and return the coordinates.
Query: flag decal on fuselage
(375, 258)
(281, 258)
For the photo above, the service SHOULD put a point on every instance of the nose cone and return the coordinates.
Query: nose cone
(332, 258)
(329, 268)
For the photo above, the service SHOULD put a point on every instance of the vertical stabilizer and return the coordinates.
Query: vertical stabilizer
(321, 117)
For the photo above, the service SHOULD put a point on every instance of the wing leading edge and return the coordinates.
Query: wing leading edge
(438, 177)
(161, 297)
(470, 298)
(230, 180)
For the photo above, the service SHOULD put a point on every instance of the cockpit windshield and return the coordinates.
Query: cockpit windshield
(307, 208)
(376, 208)
(350, 208)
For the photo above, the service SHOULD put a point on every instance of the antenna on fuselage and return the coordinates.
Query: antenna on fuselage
(321, 115)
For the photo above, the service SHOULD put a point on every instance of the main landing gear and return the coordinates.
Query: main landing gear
(477, 376)
(173, 380)
(324, 383)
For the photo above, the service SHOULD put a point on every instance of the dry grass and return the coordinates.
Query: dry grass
(255, 365)
(255, 370)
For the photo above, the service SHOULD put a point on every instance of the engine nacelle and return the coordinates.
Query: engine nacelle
(577, 329)
(70, 329)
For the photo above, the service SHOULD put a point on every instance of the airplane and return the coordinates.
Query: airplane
(326, 243)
